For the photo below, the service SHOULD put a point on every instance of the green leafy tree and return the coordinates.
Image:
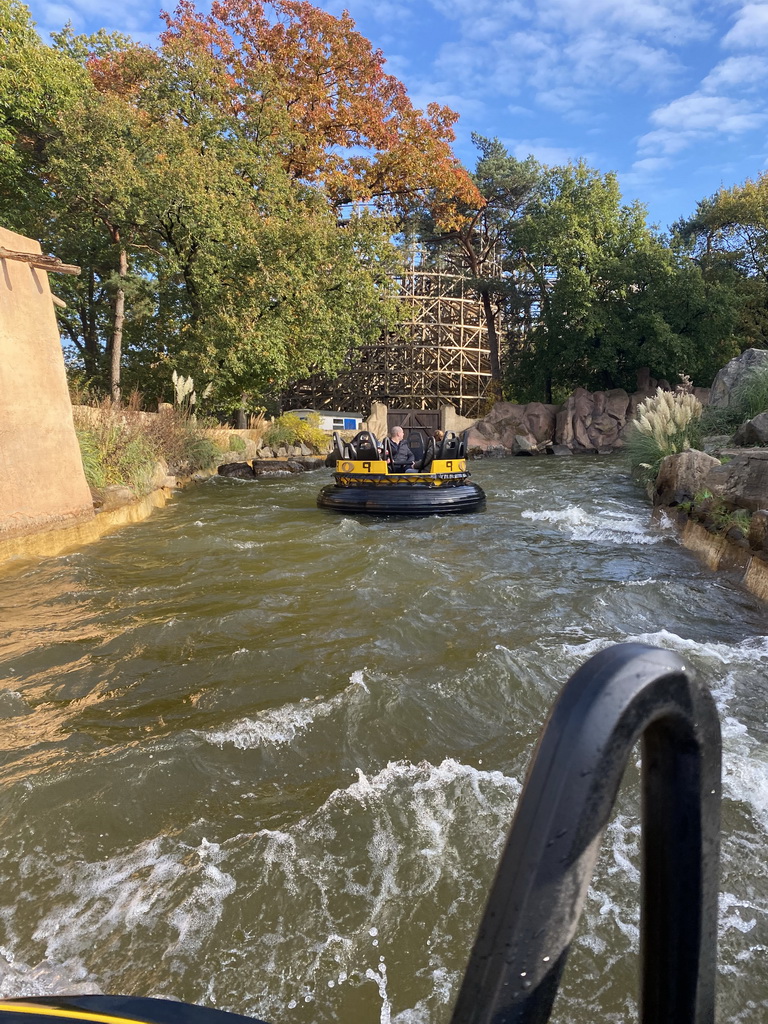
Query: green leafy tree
(728, 238)
(482, 230)
(202, 208)
(611, 296)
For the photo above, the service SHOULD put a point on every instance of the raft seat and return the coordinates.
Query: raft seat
(449, 447)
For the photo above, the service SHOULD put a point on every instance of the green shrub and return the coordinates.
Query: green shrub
(236, 443)
(90, 451)
(664, 424)
(289, 430)
(114, 448)
(720, 421)
(200, 453)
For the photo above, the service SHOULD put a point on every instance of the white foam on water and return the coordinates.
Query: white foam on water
(753, 649)
(745, 759)
(602, 526)
(162, 884)
(368, 870)
(379, 977)
(281, 725)
(734, 914)
(425, 778)
(19, 979)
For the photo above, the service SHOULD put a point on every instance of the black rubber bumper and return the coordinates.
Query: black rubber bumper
(408, 501)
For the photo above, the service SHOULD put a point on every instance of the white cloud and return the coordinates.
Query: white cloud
(696, 118)
(470, 9)
(702, 113)
(543, 149)
(744, 73)
(681, 19)
(650, 169)
(751, 28)
(597, 58)
(650, 165)
(665, 141)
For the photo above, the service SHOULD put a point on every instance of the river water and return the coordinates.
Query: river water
(263, 757)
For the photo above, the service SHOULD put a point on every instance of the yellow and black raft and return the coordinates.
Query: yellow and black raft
(111, 1010)
(364, 481)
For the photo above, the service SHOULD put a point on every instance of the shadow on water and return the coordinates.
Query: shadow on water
(262, 756)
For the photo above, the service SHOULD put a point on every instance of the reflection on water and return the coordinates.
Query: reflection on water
(262, 756)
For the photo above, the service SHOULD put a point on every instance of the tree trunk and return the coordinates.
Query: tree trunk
(493, 340)
(117, 330)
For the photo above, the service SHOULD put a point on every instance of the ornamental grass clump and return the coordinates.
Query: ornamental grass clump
(664, 424)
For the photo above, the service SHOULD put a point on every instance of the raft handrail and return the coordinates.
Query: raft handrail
(625, 693)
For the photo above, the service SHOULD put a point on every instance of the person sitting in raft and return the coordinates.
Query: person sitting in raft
(400, 456)
(433, 447)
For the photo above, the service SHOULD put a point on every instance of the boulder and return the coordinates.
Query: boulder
(238, 470)
(159, 475)
(539, 421)
(731, 376)
(524, 445)
(482, 440)
(758, 530)
(228, 458)
(753, 432)
(681, 477)
(114, 496)
(572, 421)
(743, 481)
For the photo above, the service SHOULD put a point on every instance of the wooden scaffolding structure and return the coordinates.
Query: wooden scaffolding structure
(438, 353)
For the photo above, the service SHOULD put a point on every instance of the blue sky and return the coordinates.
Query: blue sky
(670, 94)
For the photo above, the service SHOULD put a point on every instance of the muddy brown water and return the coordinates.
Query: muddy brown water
(263, 757)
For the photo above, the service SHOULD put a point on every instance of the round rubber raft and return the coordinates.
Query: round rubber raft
(412, 499)
(439, 493)
(438, 484)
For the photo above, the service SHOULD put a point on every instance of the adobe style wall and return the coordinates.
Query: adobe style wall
(42, 484)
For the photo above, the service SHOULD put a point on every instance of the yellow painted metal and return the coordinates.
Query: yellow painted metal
(366, 468)
(370, 466)
(66, 1014)
(448, 466)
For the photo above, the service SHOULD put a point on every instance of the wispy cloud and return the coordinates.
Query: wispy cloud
(544, 150)
(697, 117)
(750, 30)
(745, 74)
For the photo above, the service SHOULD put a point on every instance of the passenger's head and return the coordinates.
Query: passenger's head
(439, 435)
(396, 433)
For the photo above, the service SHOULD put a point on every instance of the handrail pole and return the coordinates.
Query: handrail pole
(681, 792)
(541, 884)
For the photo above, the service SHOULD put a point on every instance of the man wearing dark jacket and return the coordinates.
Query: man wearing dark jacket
(402, 456)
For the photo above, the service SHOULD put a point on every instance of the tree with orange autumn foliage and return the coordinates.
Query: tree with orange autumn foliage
(351, 126)
(200, 186)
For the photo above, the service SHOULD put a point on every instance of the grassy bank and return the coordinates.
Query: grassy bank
(122, 446)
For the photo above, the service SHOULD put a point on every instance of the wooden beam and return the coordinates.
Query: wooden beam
(58, 302)
(34, 259)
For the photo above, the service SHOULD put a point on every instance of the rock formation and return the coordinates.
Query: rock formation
(682, 476)
(587, 422)
(729, 379)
